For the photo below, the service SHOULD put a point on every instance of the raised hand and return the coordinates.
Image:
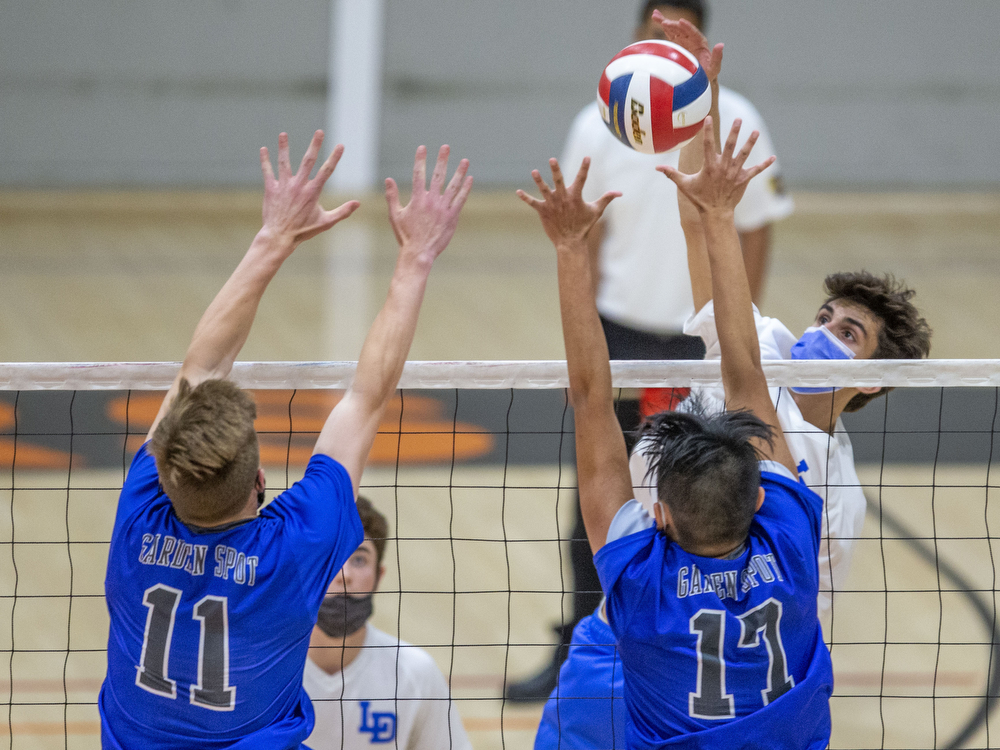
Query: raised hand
(427, 223)
(687, 35)
(291, 202)
(566, 216)
(722, 180)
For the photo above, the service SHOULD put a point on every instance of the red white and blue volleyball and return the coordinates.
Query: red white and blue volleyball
(654, 96)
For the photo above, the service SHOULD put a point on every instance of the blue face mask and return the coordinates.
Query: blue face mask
(819, 343)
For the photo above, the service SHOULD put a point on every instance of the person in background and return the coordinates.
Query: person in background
(368, 688)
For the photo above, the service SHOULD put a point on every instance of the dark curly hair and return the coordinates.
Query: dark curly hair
(706, 471)
(903, 333)
(698, 7)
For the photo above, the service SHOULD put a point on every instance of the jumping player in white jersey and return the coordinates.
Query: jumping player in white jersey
(212, 599)
(713, 601)
(369, 688)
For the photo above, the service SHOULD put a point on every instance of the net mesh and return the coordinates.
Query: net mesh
(474, 468)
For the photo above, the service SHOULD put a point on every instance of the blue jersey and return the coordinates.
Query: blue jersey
(209, 629)
(722, 653)
(586, 710)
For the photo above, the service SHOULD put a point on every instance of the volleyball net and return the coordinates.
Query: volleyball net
(474, 468)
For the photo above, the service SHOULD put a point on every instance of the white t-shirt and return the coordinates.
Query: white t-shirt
(363, 706)
(644, 280)
(825, 462)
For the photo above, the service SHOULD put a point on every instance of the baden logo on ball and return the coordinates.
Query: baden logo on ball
(654, 96)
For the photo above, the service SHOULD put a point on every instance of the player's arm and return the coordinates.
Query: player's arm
(292, 214)
(423, 229)
(601, 458)
(756, 246)
(690, 162)
(715, 191)
(687, 35)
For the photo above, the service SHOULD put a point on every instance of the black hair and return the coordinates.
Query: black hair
(706, 471)
(698, 7)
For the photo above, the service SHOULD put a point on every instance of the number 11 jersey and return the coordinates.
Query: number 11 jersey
(722, 652)
(210, 627)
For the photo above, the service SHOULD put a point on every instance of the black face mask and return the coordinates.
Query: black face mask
(340, 615)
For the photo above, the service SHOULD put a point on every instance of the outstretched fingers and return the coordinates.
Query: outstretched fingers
(265, 166)
(754, 171)
(440, 170)
(744, 153)
(420, 171)
(730, 147)
(714, 62)
(557, 175)
(542, 187)
(530, 199)
(581, 176)
(309, 158)
(463, 193)
(284, 165)
(329, 165)
(603, 202)
(456, 182)
(676, 176)
(341, 212)
(708, 140)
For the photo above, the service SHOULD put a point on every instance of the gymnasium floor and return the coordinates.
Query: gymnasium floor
(125, 277)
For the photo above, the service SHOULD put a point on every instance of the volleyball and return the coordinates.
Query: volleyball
(654, 96)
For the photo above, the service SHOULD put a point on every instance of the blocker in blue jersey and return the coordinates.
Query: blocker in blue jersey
(586, 709)
(712, 600)
(213, 598)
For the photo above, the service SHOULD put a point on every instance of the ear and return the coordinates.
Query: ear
(869, 390)
(760, 499)
(378, 576)
(260, 483)
(662, 514)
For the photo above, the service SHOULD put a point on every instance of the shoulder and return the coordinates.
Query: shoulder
(325, 480)
(788, 502)
(141, 487)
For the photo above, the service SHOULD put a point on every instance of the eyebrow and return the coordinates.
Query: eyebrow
(852, 321)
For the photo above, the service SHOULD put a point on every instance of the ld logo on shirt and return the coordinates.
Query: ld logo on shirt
(381, 726)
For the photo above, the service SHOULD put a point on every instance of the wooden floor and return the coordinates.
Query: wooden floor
(125, 278)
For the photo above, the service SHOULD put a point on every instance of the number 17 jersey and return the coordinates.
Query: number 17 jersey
(722, 652)
(210, 628)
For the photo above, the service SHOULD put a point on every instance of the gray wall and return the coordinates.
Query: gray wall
(857, 93)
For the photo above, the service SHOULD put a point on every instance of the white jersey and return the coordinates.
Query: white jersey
(825, 462)
(364, 707)
(644, 282)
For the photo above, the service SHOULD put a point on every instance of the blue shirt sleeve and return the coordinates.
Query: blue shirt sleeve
(320, 521)
(141, 486)
(623, 565)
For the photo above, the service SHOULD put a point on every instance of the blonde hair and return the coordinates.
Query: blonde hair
(206, 450)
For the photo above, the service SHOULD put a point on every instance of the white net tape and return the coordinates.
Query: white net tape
(152, 376)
